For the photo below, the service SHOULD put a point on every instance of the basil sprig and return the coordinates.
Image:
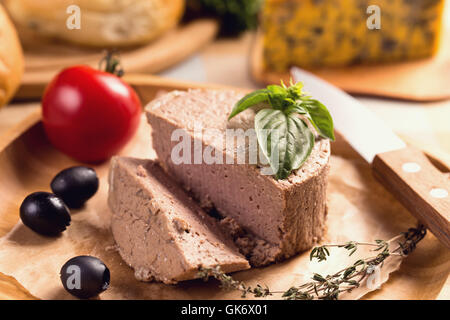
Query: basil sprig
(285, 138)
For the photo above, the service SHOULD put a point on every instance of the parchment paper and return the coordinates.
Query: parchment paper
(359, 209)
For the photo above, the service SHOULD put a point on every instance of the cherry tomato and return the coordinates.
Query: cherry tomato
(89, 114)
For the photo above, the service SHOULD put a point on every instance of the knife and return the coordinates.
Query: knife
(405, 171)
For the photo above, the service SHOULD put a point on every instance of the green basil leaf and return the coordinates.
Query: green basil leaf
(249, 100)
(285, 140)
(296, 90)
(277, 96)
(275, 89)
(297, 108)
(320, 118)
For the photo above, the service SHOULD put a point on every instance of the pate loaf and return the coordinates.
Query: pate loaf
(269, 220)
(160, 231)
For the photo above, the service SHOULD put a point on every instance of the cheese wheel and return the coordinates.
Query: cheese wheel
(11, 59)
(330, 33)
(102, 23)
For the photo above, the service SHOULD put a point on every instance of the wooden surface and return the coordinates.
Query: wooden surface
(21, 120)
(30, 162)
(410, 177)
(226, 62)
(22, 165)
(405, 80)
(145, 85)
(44, 59)
(10, 289)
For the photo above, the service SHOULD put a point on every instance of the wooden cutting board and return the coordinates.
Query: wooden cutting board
(29, 162)
(421, 80)
(43, 59)
(147, 87)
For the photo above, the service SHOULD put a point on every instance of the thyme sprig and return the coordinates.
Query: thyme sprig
(330, 287)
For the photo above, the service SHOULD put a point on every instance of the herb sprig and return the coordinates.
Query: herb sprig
(330, 287)
(281, 128)
(235, 16)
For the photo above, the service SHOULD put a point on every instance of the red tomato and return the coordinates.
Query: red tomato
(89, 114)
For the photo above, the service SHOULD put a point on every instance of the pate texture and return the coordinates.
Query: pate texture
(279, 218)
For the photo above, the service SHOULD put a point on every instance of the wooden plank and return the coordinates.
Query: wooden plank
(421, 80)
(11, 289)
(147, 87)
(419, 186)
(164, 52)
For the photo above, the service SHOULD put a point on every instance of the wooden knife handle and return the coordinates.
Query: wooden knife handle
(419, 186)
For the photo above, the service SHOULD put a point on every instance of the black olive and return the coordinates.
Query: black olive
(45, 213)
(85, 276)
(75, 185)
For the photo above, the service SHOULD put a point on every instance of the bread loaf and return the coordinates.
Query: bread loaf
(103, 23)
(11, 59)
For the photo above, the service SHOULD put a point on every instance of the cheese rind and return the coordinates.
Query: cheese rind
(330, 33)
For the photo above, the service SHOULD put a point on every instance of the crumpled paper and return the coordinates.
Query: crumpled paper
(359, 209)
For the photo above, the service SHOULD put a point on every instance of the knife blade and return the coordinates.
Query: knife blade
(405, 171)
(350, 117)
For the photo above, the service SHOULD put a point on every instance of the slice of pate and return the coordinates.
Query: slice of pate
(270, 220)
(161, 232)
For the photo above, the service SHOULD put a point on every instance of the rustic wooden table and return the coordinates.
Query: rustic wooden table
(425, 125)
